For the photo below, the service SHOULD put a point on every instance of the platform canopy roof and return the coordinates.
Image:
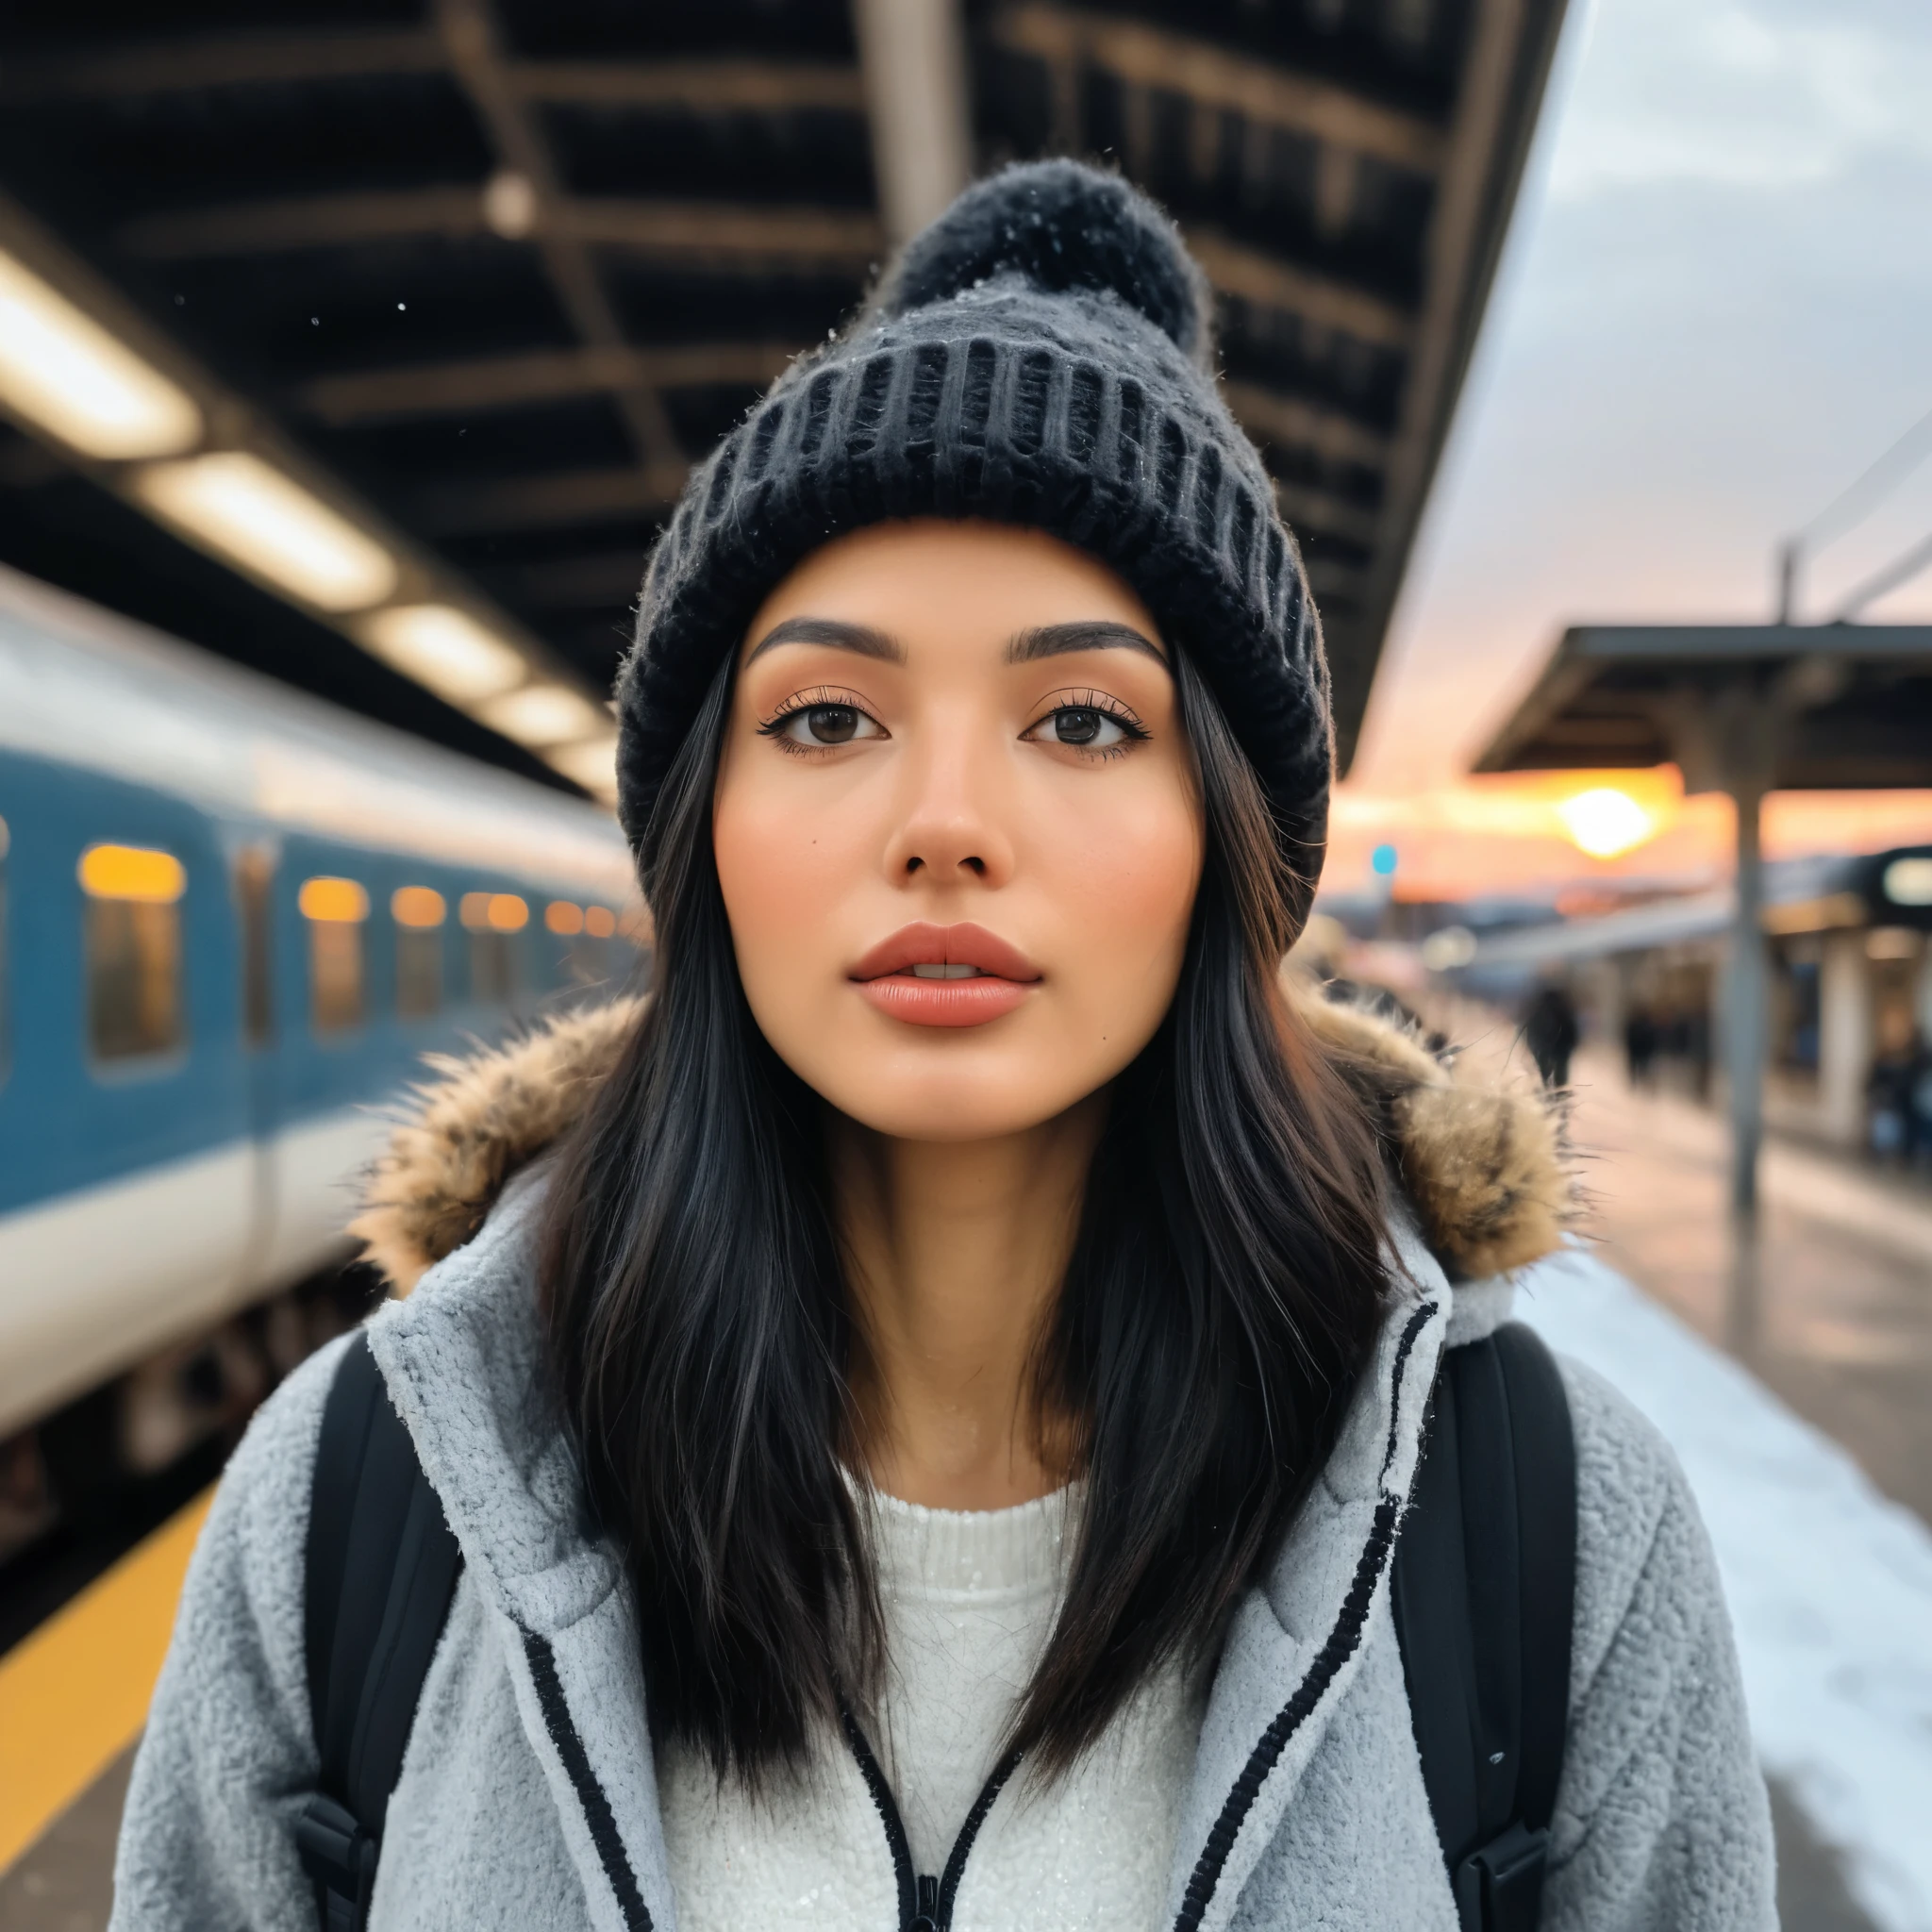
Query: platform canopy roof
(487, 277)
(1842, 705)
(1743, 708)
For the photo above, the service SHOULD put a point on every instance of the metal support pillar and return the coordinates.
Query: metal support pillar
(1738, 738)
(1747, 1003)
(913, 57)
(1846, 1035)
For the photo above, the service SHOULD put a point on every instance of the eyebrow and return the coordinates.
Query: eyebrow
(858, 638)
(1056, 640)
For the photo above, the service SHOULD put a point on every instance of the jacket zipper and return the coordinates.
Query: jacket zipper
(926, 1902)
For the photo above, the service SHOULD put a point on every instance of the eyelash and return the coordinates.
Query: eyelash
(1108, 706)
(773, 726)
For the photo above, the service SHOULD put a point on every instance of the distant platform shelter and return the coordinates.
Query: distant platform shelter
(1743, 710)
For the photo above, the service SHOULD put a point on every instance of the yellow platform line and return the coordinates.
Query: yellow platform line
(75, 1694)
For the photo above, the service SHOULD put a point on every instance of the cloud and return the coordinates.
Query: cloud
(1743, 95)
(1690, 351)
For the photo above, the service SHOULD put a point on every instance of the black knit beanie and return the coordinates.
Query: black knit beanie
(1040, 355)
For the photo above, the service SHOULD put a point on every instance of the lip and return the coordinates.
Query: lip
(884, 979)
(965, 944)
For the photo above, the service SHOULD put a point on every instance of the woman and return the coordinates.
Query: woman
(924, 1404)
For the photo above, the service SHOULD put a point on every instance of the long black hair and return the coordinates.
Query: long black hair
(1224, 1291)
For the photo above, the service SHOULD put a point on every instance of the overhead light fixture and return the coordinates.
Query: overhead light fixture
(592, 763)
(509, 203)
(539, 715)
(445, 649)
(61, 369)
(1448, 949)
(264, 521)
(1909, 882)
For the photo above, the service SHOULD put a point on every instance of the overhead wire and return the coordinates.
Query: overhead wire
(1848, 509)
(1870, 487)
(1901, 569)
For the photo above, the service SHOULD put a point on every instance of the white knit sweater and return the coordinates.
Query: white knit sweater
(969, 1602)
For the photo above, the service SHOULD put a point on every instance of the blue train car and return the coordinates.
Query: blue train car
(232, 922)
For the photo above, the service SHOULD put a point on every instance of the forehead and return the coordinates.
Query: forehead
(951, 581)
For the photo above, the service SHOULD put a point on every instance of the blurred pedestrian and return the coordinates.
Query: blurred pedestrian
(1551, 1032)
(1639, 1045)
(1697, 1055)
(1898, 1094)
(1918, 1102)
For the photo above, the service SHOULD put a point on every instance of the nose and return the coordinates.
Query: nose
(951, 826)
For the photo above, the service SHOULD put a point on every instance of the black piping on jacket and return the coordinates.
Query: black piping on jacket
(1345, 1638)
(590, 1794)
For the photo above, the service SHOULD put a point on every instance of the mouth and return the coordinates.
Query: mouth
(946, 975)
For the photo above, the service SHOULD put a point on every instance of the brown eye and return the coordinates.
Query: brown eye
(832, 724)
(826, 726)
(1085, 727)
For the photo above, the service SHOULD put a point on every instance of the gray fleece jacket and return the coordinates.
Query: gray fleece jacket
(528, 1795)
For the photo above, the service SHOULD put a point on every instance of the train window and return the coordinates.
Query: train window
(492, 918)
(337, 911)
(133, 950)
(418, 911)
(4, 1036)
(254, 877)
(584, 959)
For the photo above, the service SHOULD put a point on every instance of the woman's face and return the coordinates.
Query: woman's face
(956, 828)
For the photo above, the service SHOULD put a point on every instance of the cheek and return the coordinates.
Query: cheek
(782, 872)
(1127, 876)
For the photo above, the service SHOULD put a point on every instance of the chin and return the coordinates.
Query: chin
(951, 1083)
(956, 1104)
(950, 1122)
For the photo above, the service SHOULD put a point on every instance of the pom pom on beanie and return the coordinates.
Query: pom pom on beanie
(1059, 226)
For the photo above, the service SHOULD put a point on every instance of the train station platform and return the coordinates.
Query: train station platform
(73, 1695)
(1829, 1303)
(1790, 1368)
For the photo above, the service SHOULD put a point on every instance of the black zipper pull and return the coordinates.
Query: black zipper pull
(929, 1919)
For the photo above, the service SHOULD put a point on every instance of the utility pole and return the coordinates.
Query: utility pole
(1744, 721)
(1747, 1003)
(1788, 553)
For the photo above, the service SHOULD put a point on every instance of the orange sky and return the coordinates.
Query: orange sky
(1506, 834)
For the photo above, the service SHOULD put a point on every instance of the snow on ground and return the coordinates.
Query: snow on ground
(1830, 1584)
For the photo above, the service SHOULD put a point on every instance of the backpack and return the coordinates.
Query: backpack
(1483, 1593)
(381, 1569)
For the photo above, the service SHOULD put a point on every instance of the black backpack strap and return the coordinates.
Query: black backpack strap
(1485, 1584)
(381, 1570)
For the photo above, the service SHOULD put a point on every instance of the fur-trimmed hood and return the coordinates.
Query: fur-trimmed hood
(1481, 1159)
